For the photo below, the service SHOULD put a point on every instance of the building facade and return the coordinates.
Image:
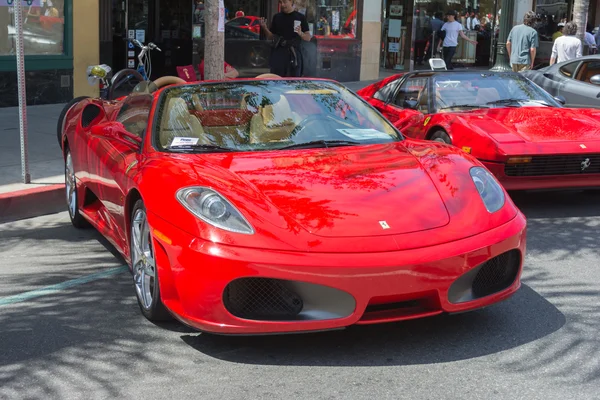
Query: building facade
(407, 41)
(352, 39)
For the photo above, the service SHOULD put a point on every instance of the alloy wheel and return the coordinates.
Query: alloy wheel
(142, 259)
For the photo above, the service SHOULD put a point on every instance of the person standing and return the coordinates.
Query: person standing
(522, 44)
(567, 47)
(452, 29)
(288, 28)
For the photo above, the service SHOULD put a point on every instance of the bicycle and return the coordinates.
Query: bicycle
(101, 74)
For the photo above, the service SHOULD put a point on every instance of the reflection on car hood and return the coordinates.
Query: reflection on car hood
(534, 124)
(350, 191)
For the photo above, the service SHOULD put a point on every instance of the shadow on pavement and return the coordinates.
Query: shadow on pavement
(432, 340)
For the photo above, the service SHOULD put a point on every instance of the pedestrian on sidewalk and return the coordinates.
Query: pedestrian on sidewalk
(451, 30)
(567, 47)
(522, 44)
(288, 28)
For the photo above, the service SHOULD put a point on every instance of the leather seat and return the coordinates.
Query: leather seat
(178, 122)
(273, 122)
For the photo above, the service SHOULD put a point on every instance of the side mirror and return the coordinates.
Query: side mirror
(412, 104)
(595, 80)
(561, 99)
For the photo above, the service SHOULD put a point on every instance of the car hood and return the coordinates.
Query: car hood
(341, 192)
(534, 124)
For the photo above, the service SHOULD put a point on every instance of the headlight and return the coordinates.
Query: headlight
(489, 189)
(214, 209)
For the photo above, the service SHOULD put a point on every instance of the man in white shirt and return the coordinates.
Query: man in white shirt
(567, 47)
(452, 29)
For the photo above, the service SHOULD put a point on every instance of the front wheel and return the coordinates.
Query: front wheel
(143, 263)
(440, 136)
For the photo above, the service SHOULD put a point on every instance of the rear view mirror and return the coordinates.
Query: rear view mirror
(561, 99)
(595, 80)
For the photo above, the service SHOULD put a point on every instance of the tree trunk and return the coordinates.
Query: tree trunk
(580, 16)
(214, 44)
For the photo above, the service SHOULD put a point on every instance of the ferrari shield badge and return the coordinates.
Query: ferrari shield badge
(426, 121)
(384, 225)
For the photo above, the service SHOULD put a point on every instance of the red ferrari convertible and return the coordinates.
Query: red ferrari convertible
(271, 205)
(522, 134)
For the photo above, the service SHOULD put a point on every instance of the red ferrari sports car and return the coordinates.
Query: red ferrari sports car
(524, 136)
(271, 205)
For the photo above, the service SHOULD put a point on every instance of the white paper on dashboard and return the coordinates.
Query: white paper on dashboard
(184, 141)
(364, 134)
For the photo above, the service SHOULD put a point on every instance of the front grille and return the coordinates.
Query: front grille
(556, 165)
(496, 274)
(261, 299)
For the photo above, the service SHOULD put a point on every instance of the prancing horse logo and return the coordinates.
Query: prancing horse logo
(585, 164)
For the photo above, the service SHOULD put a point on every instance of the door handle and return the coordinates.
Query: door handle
(549, 76)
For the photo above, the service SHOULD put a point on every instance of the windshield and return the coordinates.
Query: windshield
(488, 90)
(266, 115)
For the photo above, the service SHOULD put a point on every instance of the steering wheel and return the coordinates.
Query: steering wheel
(120, 78)
(168, 80)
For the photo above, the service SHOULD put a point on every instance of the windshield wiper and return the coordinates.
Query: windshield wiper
(506, 101)
(319, 143)
(465, 106)
(200, 146)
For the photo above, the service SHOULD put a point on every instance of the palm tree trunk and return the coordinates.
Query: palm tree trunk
(580, 16)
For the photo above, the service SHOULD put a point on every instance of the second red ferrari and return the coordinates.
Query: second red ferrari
(521, 134)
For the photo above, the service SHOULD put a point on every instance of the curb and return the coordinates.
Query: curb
(33, 202)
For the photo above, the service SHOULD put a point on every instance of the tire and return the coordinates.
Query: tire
(440, 136)
(143, 266)
(63, 114)
(72, 197)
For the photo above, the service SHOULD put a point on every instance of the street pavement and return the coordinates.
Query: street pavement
(70, 328)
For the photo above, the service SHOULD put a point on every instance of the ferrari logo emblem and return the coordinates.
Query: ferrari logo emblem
(384, 225)
(426, 121)
(585, 164)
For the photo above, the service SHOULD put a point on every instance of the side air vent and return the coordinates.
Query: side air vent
(89, 114)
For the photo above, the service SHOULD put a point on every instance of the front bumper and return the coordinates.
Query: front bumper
(199, 279)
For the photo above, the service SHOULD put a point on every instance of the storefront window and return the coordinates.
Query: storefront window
(43, 27)
(418, 37)
(330, 18)
(550, 13)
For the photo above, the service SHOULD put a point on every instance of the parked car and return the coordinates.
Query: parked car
(270, 205)
(577, 81)
(524, 136)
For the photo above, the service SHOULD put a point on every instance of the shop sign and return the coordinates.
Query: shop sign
(25, 3)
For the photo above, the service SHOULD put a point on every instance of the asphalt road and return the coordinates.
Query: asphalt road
(87, 338)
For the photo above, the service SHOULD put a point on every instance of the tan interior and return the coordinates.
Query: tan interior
(585, 73)
(180, 123)
(265, 128)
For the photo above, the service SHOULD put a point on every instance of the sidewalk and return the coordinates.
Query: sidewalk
(45, 193)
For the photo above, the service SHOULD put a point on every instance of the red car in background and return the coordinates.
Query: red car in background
(524, 136)
(251, 23)
(270, 205)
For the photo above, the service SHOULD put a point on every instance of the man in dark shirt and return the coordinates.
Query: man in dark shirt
(287, 30)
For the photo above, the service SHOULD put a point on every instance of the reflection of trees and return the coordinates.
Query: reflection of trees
(438, 164)
(293, 182)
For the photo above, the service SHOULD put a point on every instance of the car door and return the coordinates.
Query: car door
(578, 90)
(412, 91)
(554, 77)
(114, 156)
